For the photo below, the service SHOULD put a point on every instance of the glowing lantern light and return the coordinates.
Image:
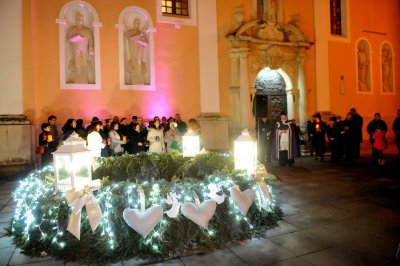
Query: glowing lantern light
(72, 164)
(190, 144)
(245, 152)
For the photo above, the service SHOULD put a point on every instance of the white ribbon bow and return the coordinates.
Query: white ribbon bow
(77, 198)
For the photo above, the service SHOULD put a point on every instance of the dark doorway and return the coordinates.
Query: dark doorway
(270, 98)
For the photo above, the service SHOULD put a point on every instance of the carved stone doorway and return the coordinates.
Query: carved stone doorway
(270, 97)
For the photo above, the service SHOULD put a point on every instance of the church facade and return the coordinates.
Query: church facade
(223, 62)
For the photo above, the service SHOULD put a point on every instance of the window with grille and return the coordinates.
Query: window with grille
(175, 7)
(336, 17)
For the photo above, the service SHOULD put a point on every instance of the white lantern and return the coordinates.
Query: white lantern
(190, 144)
(74, 139)
(72, 164)
(245, 152)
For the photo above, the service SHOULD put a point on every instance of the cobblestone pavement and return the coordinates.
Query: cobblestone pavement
(334, 214)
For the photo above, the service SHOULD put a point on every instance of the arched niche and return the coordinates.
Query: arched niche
(136, 49)
(387, 68)
(364, 66)
(79, 43)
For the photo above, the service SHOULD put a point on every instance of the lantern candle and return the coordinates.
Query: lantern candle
(49, 138)
(124, 138)
(245, 152)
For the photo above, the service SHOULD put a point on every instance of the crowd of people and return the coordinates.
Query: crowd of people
(278, 140)
(342, 137)
(116, 136)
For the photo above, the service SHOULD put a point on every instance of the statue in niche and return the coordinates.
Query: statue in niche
(80, 64)
(363, 67)
(136, 67)
(386, 69)
(272, 11)
(271, 30)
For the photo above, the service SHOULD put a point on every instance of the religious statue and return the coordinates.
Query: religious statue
(363, 67)
(80, 64)
(386, 69)
(136, 66)
(272, 10)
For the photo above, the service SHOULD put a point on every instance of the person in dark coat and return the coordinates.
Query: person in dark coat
(333, 136)
(319, 132)
(136, 139)
(47, 141)
(182, 126)
(285, 146)
(265, 134)
(80, 130)
(396, 130)
(310, 133)
(348, 137)
(68, 128)
(357, 130)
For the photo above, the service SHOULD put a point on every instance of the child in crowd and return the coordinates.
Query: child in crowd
(379, 144)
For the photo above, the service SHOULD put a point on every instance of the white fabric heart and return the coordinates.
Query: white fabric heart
(199, 214)
(143, 221)
(243, 200)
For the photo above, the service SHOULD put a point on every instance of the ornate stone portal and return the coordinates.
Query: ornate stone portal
(266, 43)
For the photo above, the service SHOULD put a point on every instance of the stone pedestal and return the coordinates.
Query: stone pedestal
(15, 139)
(214, 131)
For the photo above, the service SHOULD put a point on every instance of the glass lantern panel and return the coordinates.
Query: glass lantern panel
(63, 165)
(245, 156)
(190, 145)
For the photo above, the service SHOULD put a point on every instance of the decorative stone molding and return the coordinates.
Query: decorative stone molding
(136, 49)
(79, 44)
(267, 45)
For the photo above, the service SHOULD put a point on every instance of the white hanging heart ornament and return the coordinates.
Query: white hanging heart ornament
(199, 214)
(265, 193)
(143, 221)
(243, 200)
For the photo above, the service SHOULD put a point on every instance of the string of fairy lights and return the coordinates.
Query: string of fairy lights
(33, 189)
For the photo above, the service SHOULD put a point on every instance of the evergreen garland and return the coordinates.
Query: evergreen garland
(42, 213)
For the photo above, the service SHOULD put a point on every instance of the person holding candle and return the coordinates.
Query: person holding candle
(319, 137)
(47, 142)
(53, 129)
(156, 137)
(173, 139)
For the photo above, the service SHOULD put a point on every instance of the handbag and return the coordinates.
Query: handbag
(39, 150)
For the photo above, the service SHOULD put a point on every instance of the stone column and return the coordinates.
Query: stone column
(290, 104)
(321, 26)
(11, 57)
(235, 92)
(214, 126)
(302, 99)
(244, 89)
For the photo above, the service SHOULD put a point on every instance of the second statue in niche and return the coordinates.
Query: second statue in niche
(137, 70)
